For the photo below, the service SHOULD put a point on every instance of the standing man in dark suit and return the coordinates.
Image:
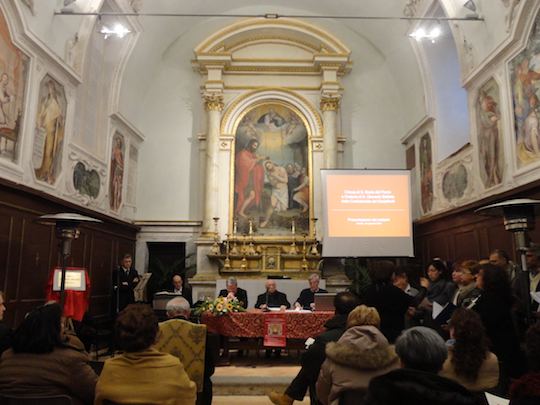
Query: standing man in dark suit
(272, 297)
(125, 278)
(306, 300)
(232, 291)
(179, 288)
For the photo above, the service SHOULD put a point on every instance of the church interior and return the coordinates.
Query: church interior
(195, 133)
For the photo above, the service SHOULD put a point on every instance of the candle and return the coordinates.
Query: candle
(235, 227)
(293, 227)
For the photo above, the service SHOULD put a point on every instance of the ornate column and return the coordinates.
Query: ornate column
(329, 107)
(214, 105)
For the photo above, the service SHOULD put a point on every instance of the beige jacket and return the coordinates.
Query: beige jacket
(488, 375)
(359, 355)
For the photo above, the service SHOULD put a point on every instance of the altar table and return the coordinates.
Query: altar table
(300, 325)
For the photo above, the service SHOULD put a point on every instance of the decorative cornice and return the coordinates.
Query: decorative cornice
(329, 103)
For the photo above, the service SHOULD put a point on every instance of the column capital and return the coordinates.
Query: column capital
(329, 103)
(213, 102)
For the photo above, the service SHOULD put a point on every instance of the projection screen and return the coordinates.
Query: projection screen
(366, 213)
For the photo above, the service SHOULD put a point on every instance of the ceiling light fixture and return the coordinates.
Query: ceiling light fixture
(420, 33)
(119, 30)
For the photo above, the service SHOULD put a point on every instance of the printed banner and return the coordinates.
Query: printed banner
(275, 329)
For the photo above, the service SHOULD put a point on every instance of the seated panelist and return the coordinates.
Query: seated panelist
(306, 300)
(272, 298)
(232, 291)
(177, 287)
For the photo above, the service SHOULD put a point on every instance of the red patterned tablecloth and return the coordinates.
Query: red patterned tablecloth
(251, 324)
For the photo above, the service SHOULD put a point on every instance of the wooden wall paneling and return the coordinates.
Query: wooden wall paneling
(101, 273)
(28, 250)
(467, 245)
(438, 246)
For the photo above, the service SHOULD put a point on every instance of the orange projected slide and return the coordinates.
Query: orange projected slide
(368, 206)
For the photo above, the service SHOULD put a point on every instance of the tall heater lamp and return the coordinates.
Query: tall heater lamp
(66, 225)
(519, 217)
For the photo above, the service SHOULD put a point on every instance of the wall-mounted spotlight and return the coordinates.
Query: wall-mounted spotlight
(118, 29)
(420, 33)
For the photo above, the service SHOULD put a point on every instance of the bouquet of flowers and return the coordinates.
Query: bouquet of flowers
(219, 306)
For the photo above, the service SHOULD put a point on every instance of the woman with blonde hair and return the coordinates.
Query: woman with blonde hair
(359, 355)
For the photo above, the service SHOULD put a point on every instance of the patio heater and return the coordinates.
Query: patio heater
(66, 226)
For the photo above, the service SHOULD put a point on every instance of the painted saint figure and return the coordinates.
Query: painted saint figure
(117, 173)
(51, 122)
(489, 140)
(279, 197)
(5, 98)
(249, 181)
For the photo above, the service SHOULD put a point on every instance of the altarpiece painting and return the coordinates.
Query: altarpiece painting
(272, 169)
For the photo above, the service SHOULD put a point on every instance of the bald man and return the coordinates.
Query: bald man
(179, 288)
(272, 298)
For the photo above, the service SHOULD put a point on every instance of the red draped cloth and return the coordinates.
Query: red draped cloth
(76, 303)
(251, 324)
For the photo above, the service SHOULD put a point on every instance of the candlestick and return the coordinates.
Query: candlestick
(250, 221)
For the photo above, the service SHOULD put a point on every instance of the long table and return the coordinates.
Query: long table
(250, 324)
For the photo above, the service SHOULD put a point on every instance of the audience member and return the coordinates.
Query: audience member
(142, 374)
(422, 353)
(494, 307)
(464, 276)
(306, 300)
(401, 281)
(178, 287)
(469, 361)
(5, 331)
(391, 302)
(233, 291)
(125, 278)
(272, 298)
(314, 356)
(179, 308)
(44, 361)
(526, 390)
(439, 288)
(500, 258)
(360, 354)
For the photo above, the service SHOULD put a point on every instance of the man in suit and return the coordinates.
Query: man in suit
(272, 298)
(232, 291)
(125, 278)
(179, 288)
(306, 300)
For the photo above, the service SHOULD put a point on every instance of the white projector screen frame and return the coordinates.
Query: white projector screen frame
(398, 242)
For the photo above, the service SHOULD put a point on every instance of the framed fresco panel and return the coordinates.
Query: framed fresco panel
(116, 180)
(426, 173)
(13, 78)
(49, 130)
(525, 85)
(488, 115)
(272, 171)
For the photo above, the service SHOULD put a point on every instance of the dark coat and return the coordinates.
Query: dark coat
(275, 299)
(241, 295)
(392, 303)
(497, 320)
(441, 291)
(123, 287)
(526, 390)
(5, 337)
(413, 387)
(307, 297)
